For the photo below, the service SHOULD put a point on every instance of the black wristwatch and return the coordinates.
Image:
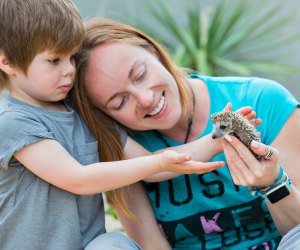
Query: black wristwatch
(278, 192)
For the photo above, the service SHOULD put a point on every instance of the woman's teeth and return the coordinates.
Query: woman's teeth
(159, 107)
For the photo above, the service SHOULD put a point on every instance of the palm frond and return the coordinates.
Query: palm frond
(228, 38)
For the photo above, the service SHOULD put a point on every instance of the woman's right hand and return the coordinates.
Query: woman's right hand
(245, 169)
(247, 112)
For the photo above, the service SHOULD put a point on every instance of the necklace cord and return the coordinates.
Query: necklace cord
(190, 120)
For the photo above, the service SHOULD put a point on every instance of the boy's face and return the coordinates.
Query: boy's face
(49, 79)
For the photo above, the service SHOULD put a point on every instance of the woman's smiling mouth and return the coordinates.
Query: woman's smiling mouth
(158, 108)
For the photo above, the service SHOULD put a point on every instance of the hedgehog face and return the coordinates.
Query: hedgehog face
(222, 124)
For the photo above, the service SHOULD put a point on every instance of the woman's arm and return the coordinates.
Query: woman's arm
(144, 229)
(247, 171)
(286, 213)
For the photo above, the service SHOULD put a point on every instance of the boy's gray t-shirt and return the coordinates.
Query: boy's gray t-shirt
(33, 213)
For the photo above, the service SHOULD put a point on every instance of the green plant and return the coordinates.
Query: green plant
(229, 38)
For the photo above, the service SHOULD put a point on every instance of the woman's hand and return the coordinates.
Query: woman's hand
(247, 112)
(181, 163)
(245, 169)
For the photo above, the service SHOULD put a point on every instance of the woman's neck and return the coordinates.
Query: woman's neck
(199, 118)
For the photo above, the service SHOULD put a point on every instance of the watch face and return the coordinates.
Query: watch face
(277, 194)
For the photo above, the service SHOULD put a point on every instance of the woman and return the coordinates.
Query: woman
(129, 77)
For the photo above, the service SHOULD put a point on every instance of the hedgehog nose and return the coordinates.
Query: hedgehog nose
(213, 136)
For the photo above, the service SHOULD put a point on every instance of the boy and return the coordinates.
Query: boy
(50, 177)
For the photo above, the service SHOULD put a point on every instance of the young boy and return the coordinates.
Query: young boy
(50, 178)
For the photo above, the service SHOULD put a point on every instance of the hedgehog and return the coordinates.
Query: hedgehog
(232, 123)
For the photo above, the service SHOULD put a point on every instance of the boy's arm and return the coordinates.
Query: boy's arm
(201, 150)
(50, 161)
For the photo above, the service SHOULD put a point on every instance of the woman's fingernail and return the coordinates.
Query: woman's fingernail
(254, 144)
(228, 138)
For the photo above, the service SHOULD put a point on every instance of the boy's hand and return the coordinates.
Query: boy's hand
(182, 163)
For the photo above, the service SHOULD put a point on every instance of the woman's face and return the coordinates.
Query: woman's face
(130, 84)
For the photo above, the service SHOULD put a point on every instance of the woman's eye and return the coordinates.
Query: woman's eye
(122, 103)
(54, 61)
(141, 73)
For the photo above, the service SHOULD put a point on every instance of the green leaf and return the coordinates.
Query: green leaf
(232, 37)
(233, 67)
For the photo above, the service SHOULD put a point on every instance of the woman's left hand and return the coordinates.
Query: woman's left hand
(245, 169)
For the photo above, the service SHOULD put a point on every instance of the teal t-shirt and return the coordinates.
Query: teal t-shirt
(208, 211)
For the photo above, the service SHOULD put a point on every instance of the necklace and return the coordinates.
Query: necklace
(189, 126)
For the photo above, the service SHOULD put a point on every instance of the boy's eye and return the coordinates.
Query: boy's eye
(54, 60)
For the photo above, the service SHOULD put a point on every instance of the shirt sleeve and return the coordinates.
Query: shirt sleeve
(18, 130)
(273, 103)
(122, 134)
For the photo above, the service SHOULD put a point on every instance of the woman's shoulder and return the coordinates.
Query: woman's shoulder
(220, 80)
(245, 87)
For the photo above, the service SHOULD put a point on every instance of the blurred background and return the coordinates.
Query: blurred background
(217, 37)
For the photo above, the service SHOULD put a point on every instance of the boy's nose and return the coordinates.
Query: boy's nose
(69, 68)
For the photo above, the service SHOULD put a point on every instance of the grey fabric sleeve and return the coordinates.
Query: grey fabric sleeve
(17, 131)
(291, 241)
(123, 135)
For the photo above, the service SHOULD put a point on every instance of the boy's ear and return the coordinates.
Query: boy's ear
(5, 65)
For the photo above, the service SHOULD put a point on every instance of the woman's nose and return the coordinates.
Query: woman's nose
(145, 98)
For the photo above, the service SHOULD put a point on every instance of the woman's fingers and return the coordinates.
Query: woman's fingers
(267, 152)
(239, 171)
(254, 172)
(228, 107)
(250, 115)
(256, 122)
(247, 112)
(233, 171)
(243, 152)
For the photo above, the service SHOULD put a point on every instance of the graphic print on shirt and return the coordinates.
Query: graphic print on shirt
(199, 217)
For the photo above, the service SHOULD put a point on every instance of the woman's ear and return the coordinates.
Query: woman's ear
(5, 65)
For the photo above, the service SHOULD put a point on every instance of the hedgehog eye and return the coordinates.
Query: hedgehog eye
(222, 126)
